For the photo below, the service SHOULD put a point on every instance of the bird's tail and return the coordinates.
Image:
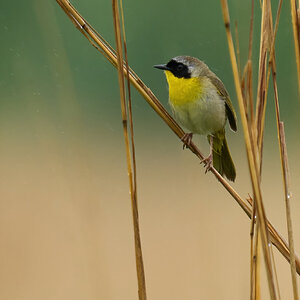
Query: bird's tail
(222, 160)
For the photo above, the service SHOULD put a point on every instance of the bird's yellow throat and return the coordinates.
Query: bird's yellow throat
(183, 90)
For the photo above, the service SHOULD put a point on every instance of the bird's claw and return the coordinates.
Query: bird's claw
(187, 139)
(207, 163)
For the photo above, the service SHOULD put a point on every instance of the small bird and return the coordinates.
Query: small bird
(200, 102)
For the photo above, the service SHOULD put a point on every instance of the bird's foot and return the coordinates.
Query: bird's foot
(187, 139)
(207, 162)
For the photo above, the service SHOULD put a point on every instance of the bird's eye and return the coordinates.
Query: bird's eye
(180, 67)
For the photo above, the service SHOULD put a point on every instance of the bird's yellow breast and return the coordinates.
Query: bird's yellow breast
(183, 90)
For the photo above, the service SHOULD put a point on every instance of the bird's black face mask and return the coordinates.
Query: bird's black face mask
(178, 69)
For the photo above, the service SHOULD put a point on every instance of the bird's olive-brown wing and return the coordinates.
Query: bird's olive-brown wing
(228, 105)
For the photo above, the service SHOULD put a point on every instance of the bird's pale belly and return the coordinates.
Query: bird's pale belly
(204, 116)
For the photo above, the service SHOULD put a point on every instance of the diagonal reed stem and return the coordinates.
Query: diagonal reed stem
(103, 47)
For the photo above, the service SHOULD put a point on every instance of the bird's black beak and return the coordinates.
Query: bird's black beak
(162, 67)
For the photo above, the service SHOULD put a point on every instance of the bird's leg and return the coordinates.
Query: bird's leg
(209, 159)
(187, 139)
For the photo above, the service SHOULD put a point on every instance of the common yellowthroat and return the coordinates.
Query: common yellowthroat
(200, 102)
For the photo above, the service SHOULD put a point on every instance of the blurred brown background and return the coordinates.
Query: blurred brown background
(65, 215)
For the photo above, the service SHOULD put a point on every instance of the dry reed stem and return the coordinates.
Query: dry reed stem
(251, 150)
(284, 161)
(248, 86)
(288, 195)
(253, 254)
(266, 19)
(246, 79)
(257, 254)
(131, 169)
(261, 118)
(251, 32)
(275, 271)
(296, 32)
(283, 158)
(103, 47)
(139, 257)
(266, 88)
(282, 152)
(262, 88)
(237, 48)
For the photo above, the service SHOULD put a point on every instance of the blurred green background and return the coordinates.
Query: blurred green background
(65, 216)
